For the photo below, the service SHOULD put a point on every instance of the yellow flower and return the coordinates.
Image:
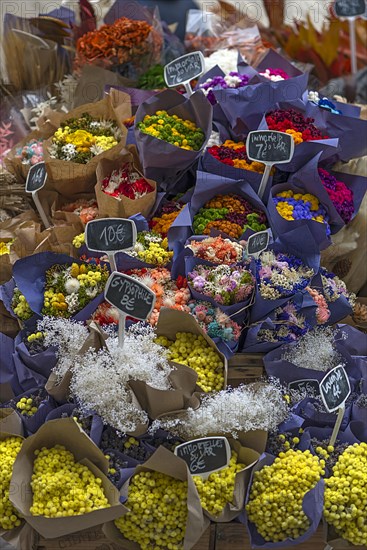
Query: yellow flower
(81, 138)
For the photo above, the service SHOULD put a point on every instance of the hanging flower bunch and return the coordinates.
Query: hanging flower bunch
(334, 288)
(165, 217)
(80, 139)
(151, 248)
(173, 129)
(70, 288)
(126, 40)
(232, 80)
(234, 154)
(281, 275)
(214, 322)
(341, 196)
(275, 75)
(87, 210)
(169, 293)
(289, 325)
(31, 153)
(231, 214)
(226, 285)
(217, 250)
(126, 182)
(231, 411)
(297, 206)
(294, 123)
(110, 370)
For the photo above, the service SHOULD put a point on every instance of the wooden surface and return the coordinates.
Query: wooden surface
(244, 368)
(225, 536)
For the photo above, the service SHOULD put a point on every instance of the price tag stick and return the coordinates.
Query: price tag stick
(353, 46)
(121, 333)
(338, 422)
(264, 180)
(188, 89)
(40, 210)
(111, 259)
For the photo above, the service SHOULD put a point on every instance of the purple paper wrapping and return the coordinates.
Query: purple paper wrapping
(124, 262)
(339, 309)
(237, 312)
(358, 413)
(208, 163)
(321, 433)
(356, 341)
(137, 96)
(27, 377)
(67, 409)
(6, 295)
(288, 372)
(251, 343)
(292, 423)
(281, 226)
(307, 178)
(313, 417)
(305, 151)
(32, 423)
(290, 243)
(42, 363)
(7, 367)
(357, 429)
(313, 504)
(343, 127)
(29, 275)
(162, 161)
(263, 307)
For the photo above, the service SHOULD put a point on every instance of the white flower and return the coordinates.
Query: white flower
(243, 409)
(232, 81)
(68, 151)
(72, 285)
(66, 90)
(139, 247)
(225, 58)
(53, 151)
(73, 303)
(214, 139)
(96, 149)
(91, 292)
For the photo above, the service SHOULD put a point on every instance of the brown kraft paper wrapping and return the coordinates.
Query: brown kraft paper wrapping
(165, 462)
(14, 165)
(70, 178)
(123, 207)
(58, 388)
(64, 432)
(248, 457)
(171, 321)
(52, 203)
(184, 393)
(10, 422)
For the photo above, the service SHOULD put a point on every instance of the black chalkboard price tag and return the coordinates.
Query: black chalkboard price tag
(269, 147)
(335, 388)
(131, 297)
(110, 235)
(182, 70)
(36, 179)
(205, 456)
(349, 8)
(257, 243)
(310, 385)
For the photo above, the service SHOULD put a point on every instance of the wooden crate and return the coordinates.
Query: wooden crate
(222, 536)
(244, 368)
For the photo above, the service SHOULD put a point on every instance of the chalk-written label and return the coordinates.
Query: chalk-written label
(257, 242)
(349, 8)
(269, 147)
(184, 69)
(110, 234)
(129, 296)
(310, 385)
(335, 388)
(206, 455)
(36, 177)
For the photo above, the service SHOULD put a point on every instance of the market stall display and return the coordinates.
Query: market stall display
(119, 414)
